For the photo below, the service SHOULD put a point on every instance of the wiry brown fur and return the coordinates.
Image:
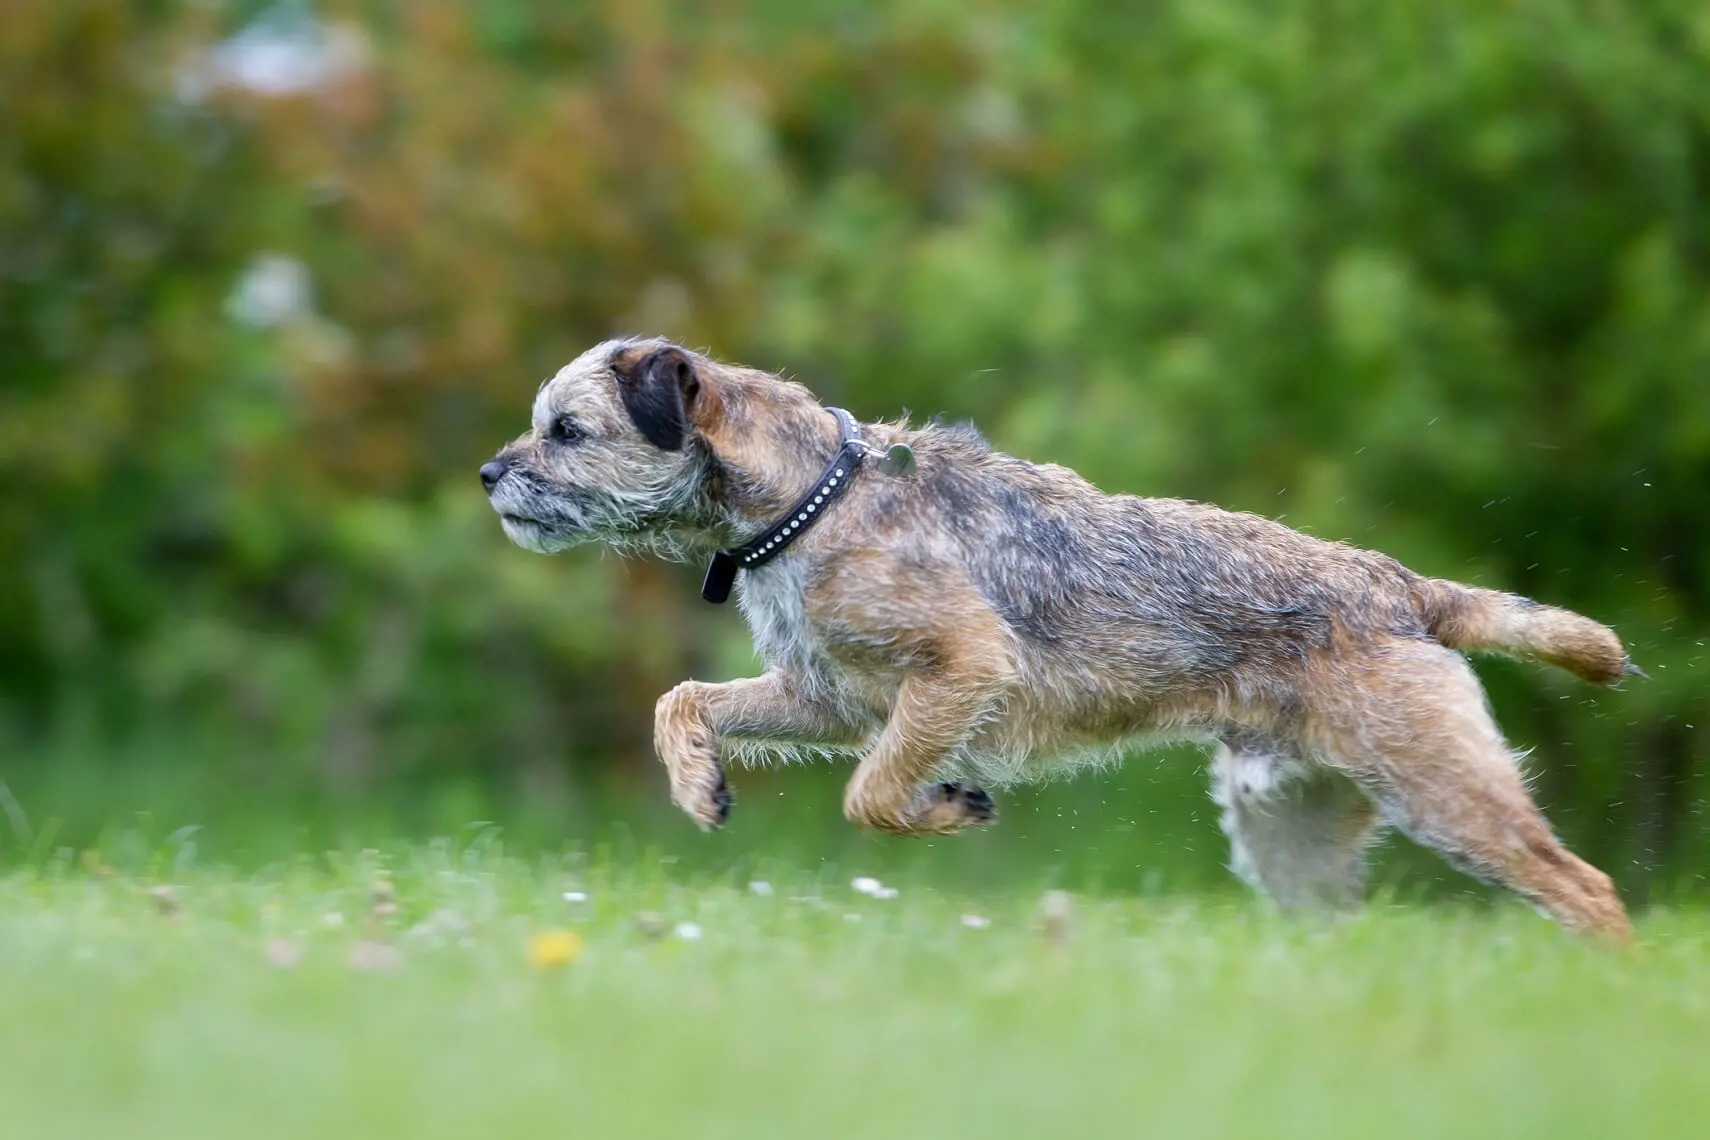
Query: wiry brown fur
(988, 617)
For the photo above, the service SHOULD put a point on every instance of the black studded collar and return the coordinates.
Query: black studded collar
(775, 539)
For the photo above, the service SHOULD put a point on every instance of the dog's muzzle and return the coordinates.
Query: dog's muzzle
(535, 521)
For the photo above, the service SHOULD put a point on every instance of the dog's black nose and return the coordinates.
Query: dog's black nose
(491, 472)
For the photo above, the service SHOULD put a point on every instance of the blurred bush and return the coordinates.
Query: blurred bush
(1433, 278)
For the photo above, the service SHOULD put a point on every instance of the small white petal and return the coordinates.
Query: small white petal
(976, 921)
(575, 896)
(688, 931)
(760, 887)
(865, 885)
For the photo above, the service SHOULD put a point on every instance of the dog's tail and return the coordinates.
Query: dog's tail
(1488, 621)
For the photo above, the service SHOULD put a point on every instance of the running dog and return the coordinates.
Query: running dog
(960, 618)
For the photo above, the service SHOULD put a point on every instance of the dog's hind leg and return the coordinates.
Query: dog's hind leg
(1297, 834)
(1410, 725)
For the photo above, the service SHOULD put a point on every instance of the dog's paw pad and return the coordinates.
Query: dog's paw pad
(975, 804)
(722, 799)
(708, 804)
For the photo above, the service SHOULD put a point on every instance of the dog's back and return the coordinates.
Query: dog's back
(1180, 592)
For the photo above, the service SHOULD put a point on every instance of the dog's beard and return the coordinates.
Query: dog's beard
(549, 522)
(536, 537)
(538, 521)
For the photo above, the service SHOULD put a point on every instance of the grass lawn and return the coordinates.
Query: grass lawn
(282, 1004)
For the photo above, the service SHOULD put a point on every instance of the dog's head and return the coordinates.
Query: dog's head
(614, 453)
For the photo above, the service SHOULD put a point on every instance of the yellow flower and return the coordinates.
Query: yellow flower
(551, 949)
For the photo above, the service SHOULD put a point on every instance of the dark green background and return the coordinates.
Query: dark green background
(1429, 277)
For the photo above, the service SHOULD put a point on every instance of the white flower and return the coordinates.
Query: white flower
(274, 290)
(760, 887)
(688, 931)
(866, 886)
(976, 921)
(283, 953)
(275, 58)
(575, 896)
(437, 927)
(374, 957)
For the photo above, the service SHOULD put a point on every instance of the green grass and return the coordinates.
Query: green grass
(814, 1011)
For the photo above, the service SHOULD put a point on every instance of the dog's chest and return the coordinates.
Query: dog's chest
(772, 603)
(788, 639)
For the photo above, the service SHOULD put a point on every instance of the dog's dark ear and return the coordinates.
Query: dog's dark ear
(660, 391)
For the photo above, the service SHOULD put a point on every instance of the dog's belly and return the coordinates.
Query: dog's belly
(1026, 740)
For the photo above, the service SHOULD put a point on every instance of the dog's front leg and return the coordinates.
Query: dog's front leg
(934, 713)
(689, 721)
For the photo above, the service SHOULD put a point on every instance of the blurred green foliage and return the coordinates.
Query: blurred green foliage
(1432, 278)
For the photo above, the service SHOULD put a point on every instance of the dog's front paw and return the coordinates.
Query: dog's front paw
(976, 803)
(952, 806)
(686, 744)
(707, 801)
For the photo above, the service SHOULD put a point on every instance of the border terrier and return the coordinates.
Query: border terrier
(959, 618)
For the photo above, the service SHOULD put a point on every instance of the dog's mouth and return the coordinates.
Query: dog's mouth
(551, 523)
(520, 521)
(534, 535)
(532, 520)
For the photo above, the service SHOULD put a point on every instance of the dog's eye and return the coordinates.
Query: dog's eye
(566, 430)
